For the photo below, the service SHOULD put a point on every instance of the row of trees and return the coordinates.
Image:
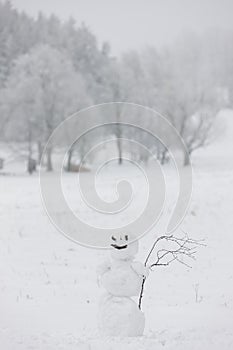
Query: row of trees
(50, 69)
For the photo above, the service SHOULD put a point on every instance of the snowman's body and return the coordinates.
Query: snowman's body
(122, 278)
(120, 316)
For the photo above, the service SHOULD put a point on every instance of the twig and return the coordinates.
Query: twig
(184, 246)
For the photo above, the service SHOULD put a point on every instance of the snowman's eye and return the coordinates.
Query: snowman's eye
(113, 238)
(126, 237)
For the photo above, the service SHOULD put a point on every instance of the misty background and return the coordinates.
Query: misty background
(129, 24)
(175, 57)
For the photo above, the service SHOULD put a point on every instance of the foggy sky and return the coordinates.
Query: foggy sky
(132, 24)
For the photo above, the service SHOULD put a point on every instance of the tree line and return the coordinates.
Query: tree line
(50, 69)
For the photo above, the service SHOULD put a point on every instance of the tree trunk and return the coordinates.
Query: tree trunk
(119, 148)
(164, 156)
(119, 133)
(187, 158)
(29, 163)
(31, 166)
(49, 165)
(39, 151)
(70, 154)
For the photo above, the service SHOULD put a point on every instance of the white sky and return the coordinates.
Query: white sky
(132, 24)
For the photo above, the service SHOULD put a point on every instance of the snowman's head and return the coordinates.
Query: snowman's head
(125, 247)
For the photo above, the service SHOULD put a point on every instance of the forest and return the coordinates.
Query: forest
(50, 69)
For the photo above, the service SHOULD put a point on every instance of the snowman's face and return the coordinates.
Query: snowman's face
(120, 242)
(123, 246)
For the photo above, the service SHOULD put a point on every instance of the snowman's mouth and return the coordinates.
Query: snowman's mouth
(119, 246)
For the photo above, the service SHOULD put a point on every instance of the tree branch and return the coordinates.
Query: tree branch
(183, 247)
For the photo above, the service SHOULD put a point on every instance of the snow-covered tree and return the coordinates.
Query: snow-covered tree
(41, 91)
(188, 95)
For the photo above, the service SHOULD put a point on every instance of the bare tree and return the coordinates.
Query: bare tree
(178, 248)
(185, 90)
(127, 83)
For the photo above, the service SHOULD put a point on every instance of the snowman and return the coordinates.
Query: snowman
(121, 277)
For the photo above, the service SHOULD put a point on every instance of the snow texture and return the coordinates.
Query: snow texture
(48, 290)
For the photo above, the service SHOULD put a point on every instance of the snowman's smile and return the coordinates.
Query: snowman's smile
(119, 246)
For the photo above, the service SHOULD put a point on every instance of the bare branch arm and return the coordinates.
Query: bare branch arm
(184, 247)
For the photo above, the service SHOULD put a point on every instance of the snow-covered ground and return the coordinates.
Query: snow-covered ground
(48, 288)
